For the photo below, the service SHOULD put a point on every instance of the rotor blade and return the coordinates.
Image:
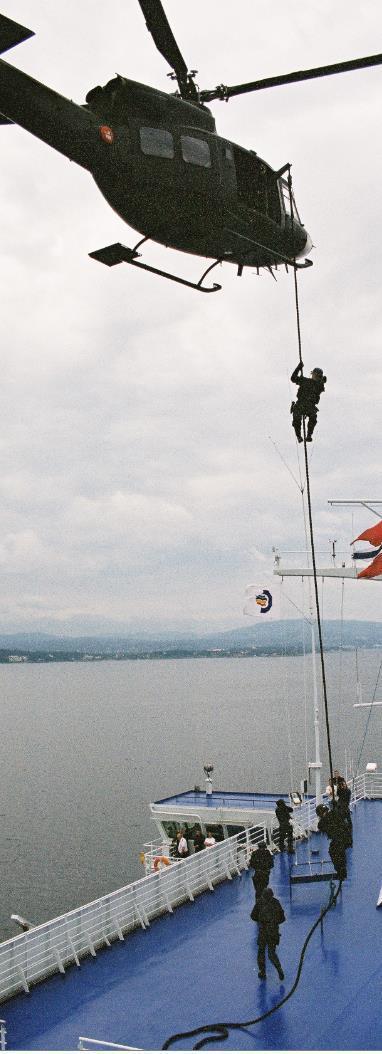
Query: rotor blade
(159, 27)
(225, 93)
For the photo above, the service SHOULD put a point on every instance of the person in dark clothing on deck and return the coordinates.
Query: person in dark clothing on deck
(343, 804)
(308, 396)
(262, 863)
(283, 813)
(332, 824)
(198, 840)
(268, 913)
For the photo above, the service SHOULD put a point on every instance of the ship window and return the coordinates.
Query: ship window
(170, 828)
(156, 142)
(235, 828)
(216, 830)
(195, 151)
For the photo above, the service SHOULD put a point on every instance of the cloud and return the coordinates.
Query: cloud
(147, 459)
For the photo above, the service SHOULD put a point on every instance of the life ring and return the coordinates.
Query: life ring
(161, 860)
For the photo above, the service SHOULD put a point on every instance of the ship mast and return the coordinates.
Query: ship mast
(315, 765)
(325, 572)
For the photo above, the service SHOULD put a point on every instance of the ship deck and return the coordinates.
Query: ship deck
(222, 800)
(199, 965)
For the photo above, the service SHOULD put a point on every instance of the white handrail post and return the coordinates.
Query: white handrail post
(3, 1034)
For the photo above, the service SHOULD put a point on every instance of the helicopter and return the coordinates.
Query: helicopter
(160, 163)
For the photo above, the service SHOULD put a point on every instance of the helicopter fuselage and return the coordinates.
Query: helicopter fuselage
(161, 165)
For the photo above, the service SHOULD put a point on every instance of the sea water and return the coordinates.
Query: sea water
(85, 746)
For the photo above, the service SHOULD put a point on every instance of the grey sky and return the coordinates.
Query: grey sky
(138, 483)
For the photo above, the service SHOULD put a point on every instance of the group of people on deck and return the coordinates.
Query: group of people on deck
(336, 823)
(180, 848)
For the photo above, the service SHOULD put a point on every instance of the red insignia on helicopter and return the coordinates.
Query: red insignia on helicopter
(106, 133)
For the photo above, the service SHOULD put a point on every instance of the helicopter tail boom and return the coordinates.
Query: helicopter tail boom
(71, 129)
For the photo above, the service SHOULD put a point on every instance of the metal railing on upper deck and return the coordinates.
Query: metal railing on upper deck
(51, 947)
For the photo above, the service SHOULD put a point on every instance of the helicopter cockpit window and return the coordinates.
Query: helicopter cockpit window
(156, 142)
(195, 151)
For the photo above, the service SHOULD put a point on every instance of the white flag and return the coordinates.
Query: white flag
(260, 601)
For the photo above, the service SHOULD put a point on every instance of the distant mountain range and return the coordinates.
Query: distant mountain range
(274, 637)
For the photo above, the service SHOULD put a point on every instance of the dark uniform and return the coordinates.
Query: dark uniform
(198, 841)
(308, 396)
(262, 863)
(332, 824)
(283, 813)
(268, 913)
(343, 805)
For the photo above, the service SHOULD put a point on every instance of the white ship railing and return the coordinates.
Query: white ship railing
(155, 854)
(85, 1043)
(51, 947)
(368, 785)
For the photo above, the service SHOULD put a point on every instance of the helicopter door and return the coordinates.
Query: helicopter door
(256, 185)
(197, 172)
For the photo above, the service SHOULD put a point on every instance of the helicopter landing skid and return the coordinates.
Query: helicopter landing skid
(117, 253)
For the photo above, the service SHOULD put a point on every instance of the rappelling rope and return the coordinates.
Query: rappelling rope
(340, 672)
(221, 1028)
(325, 694)
(304, 680)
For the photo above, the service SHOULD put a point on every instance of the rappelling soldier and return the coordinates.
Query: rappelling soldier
(262, 862)
(308, 396)
(268, 913)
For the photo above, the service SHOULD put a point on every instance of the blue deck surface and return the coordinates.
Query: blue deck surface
(199, 965)
(223, 799)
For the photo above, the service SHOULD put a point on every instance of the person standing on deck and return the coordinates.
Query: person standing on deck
(198, 840)
(283, 813)
(343, 804)
(262, 862)
(308, 396)
(268, 914)
(332, 824)
(182, 844)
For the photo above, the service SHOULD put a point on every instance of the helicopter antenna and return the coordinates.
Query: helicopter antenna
(161, 32)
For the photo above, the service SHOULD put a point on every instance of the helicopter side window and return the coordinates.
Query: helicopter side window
(156, 142)
(195, 151)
